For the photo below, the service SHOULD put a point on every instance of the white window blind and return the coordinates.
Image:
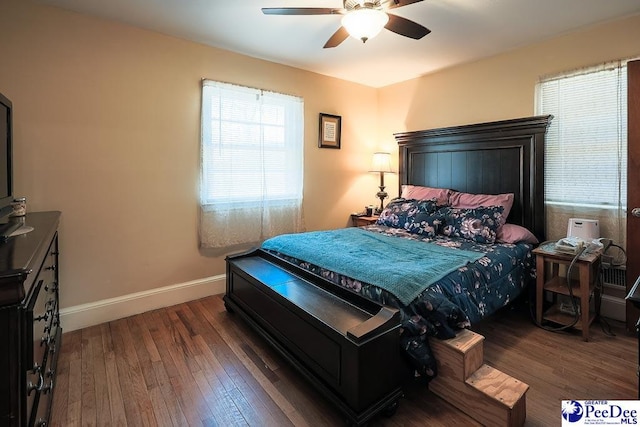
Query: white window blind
(585, 146)
(252, 164)
(251, 145)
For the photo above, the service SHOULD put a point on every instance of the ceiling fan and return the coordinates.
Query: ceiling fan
(362, 19)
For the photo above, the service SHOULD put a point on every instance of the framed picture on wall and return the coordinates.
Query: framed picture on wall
(330, 128)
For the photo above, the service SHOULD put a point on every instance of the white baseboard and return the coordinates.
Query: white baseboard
(94, 313)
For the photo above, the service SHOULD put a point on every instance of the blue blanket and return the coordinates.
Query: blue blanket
(403, 267)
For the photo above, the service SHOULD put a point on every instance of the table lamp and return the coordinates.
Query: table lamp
(381, 163)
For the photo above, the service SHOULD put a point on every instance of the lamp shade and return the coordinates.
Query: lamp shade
(381, 162)
(364, 23)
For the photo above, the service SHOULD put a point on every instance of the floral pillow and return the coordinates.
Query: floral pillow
(468, 200)
(478, 224)
(401, 213)
(426, 224)
(427, 205)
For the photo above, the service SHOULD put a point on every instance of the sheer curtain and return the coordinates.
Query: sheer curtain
(586, 148)
(251, 165)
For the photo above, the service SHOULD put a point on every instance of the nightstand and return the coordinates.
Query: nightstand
(361, 221)
(548, 279)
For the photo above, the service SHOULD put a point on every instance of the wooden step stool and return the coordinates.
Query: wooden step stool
(486, 394)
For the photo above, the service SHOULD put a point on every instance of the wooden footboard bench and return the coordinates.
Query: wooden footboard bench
(347, 346)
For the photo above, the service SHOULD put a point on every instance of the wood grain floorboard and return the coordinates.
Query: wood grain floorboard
(194, 364)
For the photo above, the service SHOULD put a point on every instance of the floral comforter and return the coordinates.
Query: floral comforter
(456, 301)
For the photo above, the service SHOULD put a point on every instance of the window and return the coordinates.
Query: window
(585, 148)
(252, 164)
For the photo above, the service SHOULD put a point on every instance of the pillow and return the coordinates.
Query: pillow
(468, 200)
(400, 213)
(477, 224)
(426, 224)
(421, 193)
(512, 233)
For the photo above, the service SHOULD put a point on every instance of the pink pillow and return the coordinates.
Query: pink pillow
(468, 200)
(423, 193)
(512, 233)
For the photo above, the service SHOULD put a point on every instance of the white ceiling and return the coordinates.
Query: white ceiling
(462, 30)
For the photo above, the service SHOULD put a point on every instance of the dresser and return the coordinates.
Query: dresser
(30, 329)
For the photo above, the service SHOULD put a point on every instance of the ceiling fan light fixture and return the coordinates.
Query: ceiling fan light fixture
(364, 23)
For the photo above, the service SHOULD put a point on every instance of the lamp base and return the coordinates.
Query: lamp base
(382, 195)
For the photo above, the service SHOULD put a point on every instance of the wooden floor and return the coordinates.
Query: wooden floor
(195, 364)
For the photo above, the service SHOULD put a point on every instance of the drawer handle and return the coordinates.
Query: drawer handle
(44, 317)
(52, 287)
(51, 267)
(31, 386)
(47, 388)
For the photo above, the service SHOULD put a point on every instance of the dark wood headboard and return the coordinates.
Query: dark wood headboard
(486, 158)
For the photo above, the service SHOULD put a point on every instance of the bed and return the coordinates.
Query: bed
(334, 325)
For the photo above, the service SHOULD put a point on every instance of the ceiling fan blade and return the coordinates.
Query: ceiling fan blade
(392, 4)
(337, 38)
(404, 27)
(302, 11)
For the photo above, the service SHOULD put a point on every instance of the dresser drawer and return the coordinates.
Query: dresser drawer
(43, 394)
(38, 317)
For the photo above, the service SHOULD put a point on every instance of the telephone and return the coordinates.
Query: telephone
(575, 245)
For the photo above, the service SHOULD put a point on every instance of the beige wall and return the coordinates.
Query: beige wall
(107, 130)
(500, 87)
(503, 86)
